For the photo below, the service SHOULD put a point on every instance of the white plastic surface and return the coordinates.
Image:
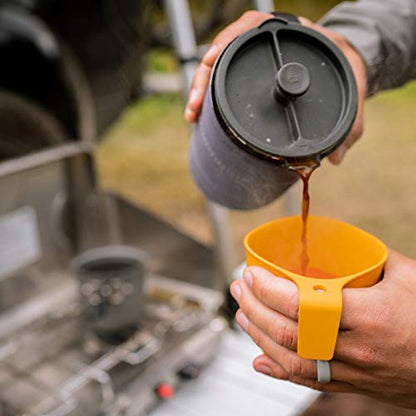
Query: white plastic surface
(229, 386)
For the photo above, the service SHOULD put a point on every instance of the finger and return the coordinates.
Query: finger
(200, 81)
(399, 268)
(282, 295)
(359, 69)
(277, 293)
(338, 155)
(247, 21)
(190, 116)
(283, 330)
(352, 346)
(295, 366)
(277, 326)
(197, 92)
(360, 73)
(267, 366)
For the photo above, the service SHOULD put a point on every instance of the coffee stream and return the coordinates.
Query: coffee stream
(305, 170)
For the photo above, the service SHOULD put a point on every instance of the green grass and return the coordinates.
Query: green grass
(144, 157)
(161, 60)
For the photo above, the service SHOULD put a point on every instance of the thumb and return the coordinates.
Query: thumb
(357, 301)
(399, 267)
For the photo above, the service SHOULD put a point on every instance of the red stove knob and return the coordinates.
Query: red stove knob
(165, 391)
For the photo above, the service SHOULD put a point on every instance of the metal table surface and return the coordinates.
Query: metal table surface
(230, 386)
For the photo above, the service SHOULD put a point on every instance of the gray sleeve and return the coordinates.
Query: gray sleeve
(384, 33)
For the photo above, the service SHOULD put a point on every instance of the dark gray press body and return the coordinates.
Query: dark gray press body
(280, 94)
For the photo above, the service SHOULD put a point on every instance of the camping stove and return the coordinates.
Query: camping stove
(51, 361)
(53, 367)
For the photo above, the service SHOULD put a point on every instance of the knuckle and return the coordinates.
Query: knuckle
(249, 14)
(295, 367)
(294, 305)
(281, 373)
(255, 336)
(285, 336)
(357, 130)
(217, 43)
(338, 39)
(262, 289)
(218, 40)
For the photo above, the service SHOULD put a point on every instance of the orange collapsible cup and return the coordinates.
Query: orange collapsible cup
(352, 257)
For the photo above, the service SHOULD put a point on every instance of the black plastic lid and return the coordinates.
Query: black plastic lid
(285, 91)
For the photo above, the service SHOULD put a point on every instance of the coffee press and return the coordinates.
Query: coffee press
(279, 94)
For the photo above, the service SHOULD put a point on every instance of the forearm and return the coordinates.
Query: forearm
(384, 33)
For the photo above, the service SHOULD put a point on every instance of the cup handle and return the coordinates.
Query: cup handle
(320, 308)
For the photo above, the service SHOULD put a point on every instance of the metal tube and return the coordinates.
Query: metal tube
(180, 20)
(43, 157)
(264, 5)
(187, 50)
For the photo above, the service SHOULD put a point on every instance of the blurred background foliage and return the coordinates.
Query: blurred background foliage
(144, 156)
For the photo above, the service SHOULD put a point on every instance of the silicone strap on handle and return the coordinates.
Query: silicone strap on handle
(286, 16)
(320, 308)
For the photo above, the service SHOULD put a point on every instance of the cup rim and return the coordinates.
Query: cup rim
(119, 251)
(344, 279)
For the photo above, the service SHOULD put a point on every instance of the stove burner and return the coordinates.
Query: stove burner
(53, 368)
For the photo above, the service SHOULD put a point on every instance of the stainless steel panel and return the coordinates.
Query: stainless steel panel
(171, 252)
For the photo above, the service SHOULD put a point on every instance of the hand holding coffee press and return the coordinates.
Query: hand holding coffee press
(279, 95)
(251, 19)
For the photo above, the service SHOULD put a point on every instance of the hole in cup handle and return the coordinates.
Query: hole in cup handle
(320, 308)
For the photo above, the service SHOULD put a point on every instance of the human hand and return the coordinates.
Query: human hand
(253, 19)
(360, 71)
(247, 21)
(375, 352)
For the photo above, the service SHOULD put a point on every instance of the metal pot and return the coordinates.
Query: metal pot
(111, 289)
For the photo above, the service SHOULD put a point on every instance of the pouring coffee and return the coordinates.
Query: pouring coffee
(280, 95)
(281, 98)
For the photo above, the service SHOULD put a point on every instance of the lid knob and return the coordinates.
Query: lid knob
(292, 80)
